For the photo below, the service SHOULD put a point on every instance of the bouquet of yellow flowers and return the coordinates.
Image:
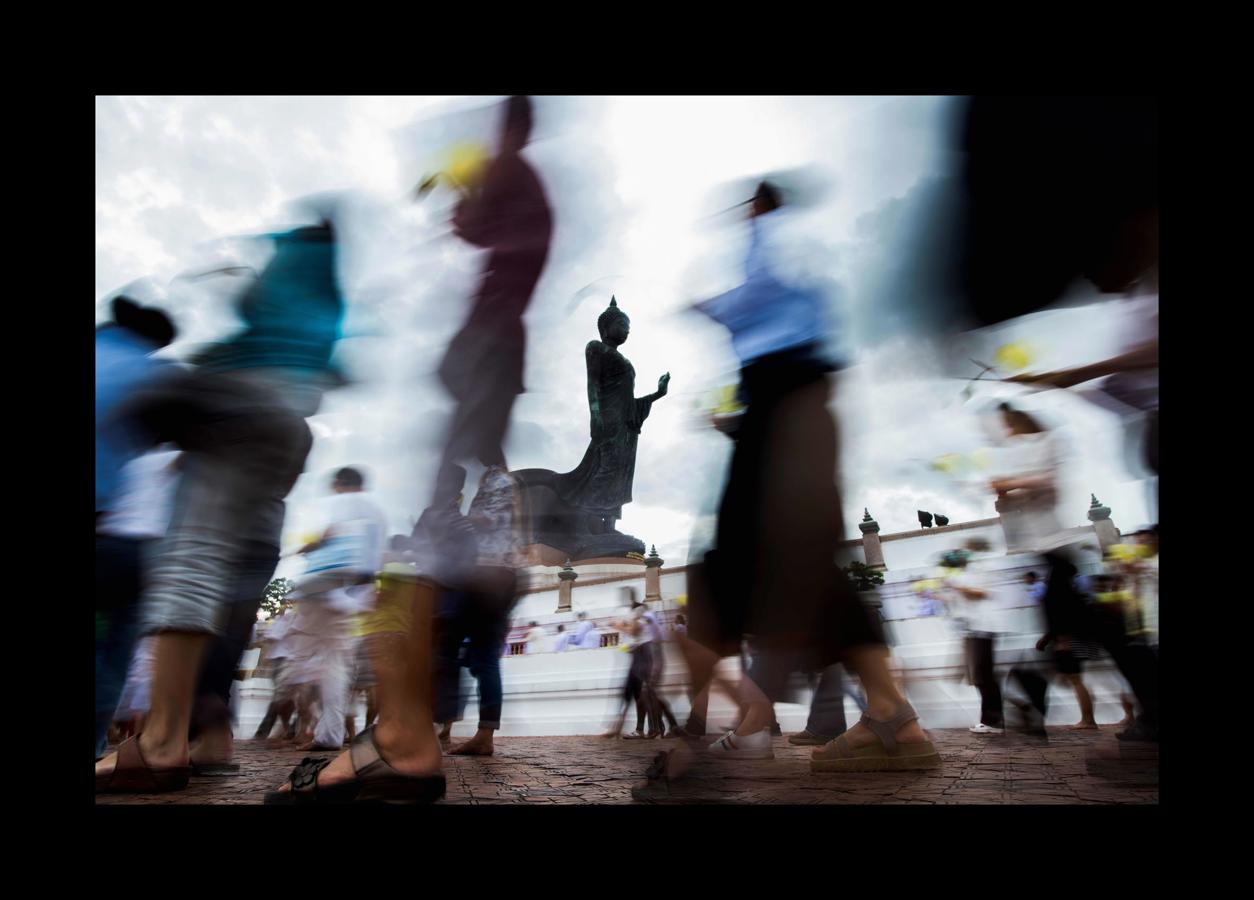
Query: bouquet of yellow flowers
(462, 166)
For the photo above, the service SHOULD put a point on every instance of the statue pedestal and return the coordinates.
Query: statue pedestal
(541, 555)
(541, 565)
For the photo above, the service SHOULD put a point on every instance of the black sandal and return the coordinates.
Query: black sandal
(374, 781)
(659, 787)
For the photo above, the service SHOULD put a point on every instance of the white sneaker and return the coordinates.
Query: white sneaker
(985, 729)
(751, 746)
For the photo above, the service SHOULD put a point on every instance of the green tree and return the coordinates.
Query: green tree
(272, 599)
(864, 577)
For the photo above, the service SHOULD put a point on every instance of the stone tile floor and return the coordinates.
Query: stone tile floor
(1003, 769)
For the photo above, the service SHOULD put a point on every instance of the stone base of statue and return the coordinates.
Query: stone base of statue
(578, 533)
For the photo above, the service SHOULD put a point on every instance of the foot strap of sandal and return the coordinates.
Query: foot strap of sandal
(887, 731)
(365, 756)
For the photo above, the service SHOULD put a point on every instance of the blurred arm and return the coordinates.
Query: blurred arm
(1143, 357)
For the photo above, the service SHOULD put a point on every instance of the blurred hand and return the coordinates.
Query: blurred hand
(1041, 380)
(425, 187)
(1042, 643)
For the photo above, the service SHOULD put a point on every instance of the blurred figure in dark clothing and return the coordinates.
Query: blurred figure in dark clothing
(507, 213)
(1056, 189)
(772, 573)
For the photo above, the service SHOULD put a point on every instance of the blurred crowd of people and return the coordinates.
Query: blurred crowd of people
(194, 461)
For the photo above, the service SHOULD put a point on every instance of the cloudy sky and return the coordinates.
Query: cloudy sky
(636, 184)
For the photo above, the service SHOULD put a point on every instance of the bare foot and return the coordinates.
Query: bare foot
(473, 747)
(1083, 726)
(215, 747)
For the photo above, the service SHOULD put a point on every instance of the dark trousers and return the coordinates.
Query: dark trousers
(478, 619)
(1068, 615)
(644, 687)
(827, 708)
(482, 370)
(119, 583)
(1138, 664)
(276, 705)
(638, 688)
(267, 723)
(979, 652)
(1035, 685)
(664, 714)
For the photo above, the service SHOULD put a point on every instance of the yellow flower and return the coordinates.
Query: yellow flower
(1126, 553)
(947, 463)
(1115, 597)
(725, 403)
(465, 163)
(1014, 357)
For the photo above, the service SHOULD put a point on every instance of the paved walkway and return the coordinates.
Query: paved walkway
(1005, 769)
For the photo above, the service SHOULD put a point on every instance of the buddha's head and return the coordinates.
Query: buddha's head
(614, 324)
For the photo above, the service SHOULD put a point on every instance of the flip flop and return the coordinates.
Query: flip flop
(132, 775)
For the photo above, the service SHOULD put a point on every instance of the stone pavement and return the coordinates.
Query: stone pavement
(1003, 769)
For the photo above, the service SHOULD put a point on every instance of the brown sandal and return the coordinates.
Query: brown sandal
(131, 775)
(841, 756)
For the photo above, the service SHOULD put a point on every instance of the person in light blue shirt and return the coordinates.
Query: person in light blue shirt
(771, 572)
(775, 308)
(1036, 588)
(585, 636)
(124, 362)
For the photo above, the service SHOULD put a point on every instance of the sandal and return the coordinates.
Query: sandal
(657, 784)
(374, 781)
(131, 775)
(841, 756)
(659, 787)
